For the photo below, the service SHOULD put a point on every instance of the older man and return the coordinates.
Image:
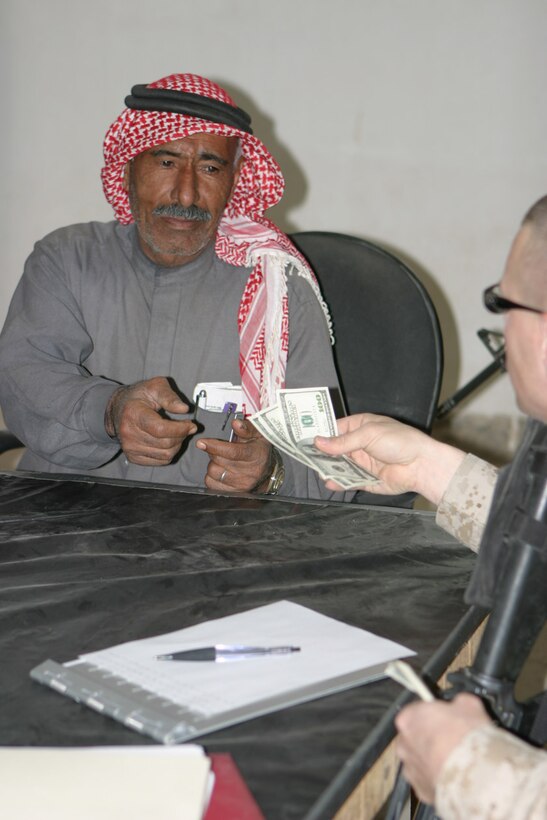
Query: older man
(114, 326)
(453, 755)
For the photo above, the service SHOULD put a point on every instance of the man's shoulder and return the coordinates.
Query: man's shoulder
(299, 287)
(80, 234)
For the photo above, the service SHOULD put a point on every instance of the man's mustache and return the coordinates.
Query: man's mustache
(175, 211)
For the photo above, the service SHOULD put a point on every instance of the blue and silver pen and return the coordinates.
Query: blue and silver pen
(229, 408)
(222, 652)
(237, 415)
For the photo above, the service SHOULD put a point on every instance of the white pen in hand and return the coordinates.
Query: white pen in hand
(223, 652)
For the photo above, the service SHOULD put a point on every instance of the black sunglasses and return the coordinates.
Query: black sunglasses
(496, 303)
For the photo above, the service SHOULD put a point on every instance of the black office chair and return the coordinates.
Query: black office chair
(388, 351)
(8, 441)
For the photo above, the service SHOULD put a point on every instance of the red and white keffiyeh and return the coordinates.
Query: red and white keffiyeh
(245, 236)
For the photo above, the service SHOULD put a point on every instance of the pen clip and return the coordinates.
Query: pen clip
(201, 395)
(238, 415)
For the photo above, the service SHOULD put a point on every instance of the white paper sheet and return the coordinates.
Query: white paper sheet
(329, 649)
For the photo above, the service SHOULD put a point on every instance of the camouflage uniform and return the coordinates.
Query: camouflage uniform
(491, 774)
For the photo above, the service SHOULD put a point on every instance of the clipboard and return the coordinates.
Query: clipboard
(265, 684)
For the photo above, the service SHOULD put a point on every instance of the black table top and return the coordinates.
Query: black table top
(86, 564)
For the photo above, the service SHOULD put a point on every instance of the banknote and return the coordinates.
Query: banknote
(307, 413)
(339, 468)
(270, 423)
(291, 425)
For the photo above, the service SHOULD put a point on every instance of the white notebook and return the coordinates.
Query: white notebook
(175, 701)
(110, 782)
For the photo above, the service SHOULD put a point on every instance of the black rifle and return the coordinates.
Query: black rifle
(518, 615)
(495, 343)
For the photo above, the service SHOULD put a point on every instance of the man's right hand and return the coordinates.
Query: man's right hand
(133, 417)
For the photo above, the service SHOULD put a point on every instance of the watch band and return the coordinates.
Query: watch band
(277, 475)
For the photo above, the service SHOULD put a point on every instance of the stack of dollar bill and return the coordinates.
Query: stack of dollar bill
(292, 424)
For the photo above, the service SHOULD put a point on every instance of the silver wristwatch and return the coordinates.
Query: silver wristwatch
(277, 475)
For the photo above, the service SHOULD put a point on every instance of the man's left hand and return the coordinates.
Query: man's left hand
(242, 465)
(429, 732)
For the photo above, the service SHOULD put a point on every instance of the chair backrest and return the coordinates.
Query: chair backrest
(388, 349)
(9, 442)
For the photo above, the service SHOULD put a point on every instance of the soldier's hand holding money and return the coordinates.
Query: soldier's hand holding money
(293, 422)
(403, 458)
